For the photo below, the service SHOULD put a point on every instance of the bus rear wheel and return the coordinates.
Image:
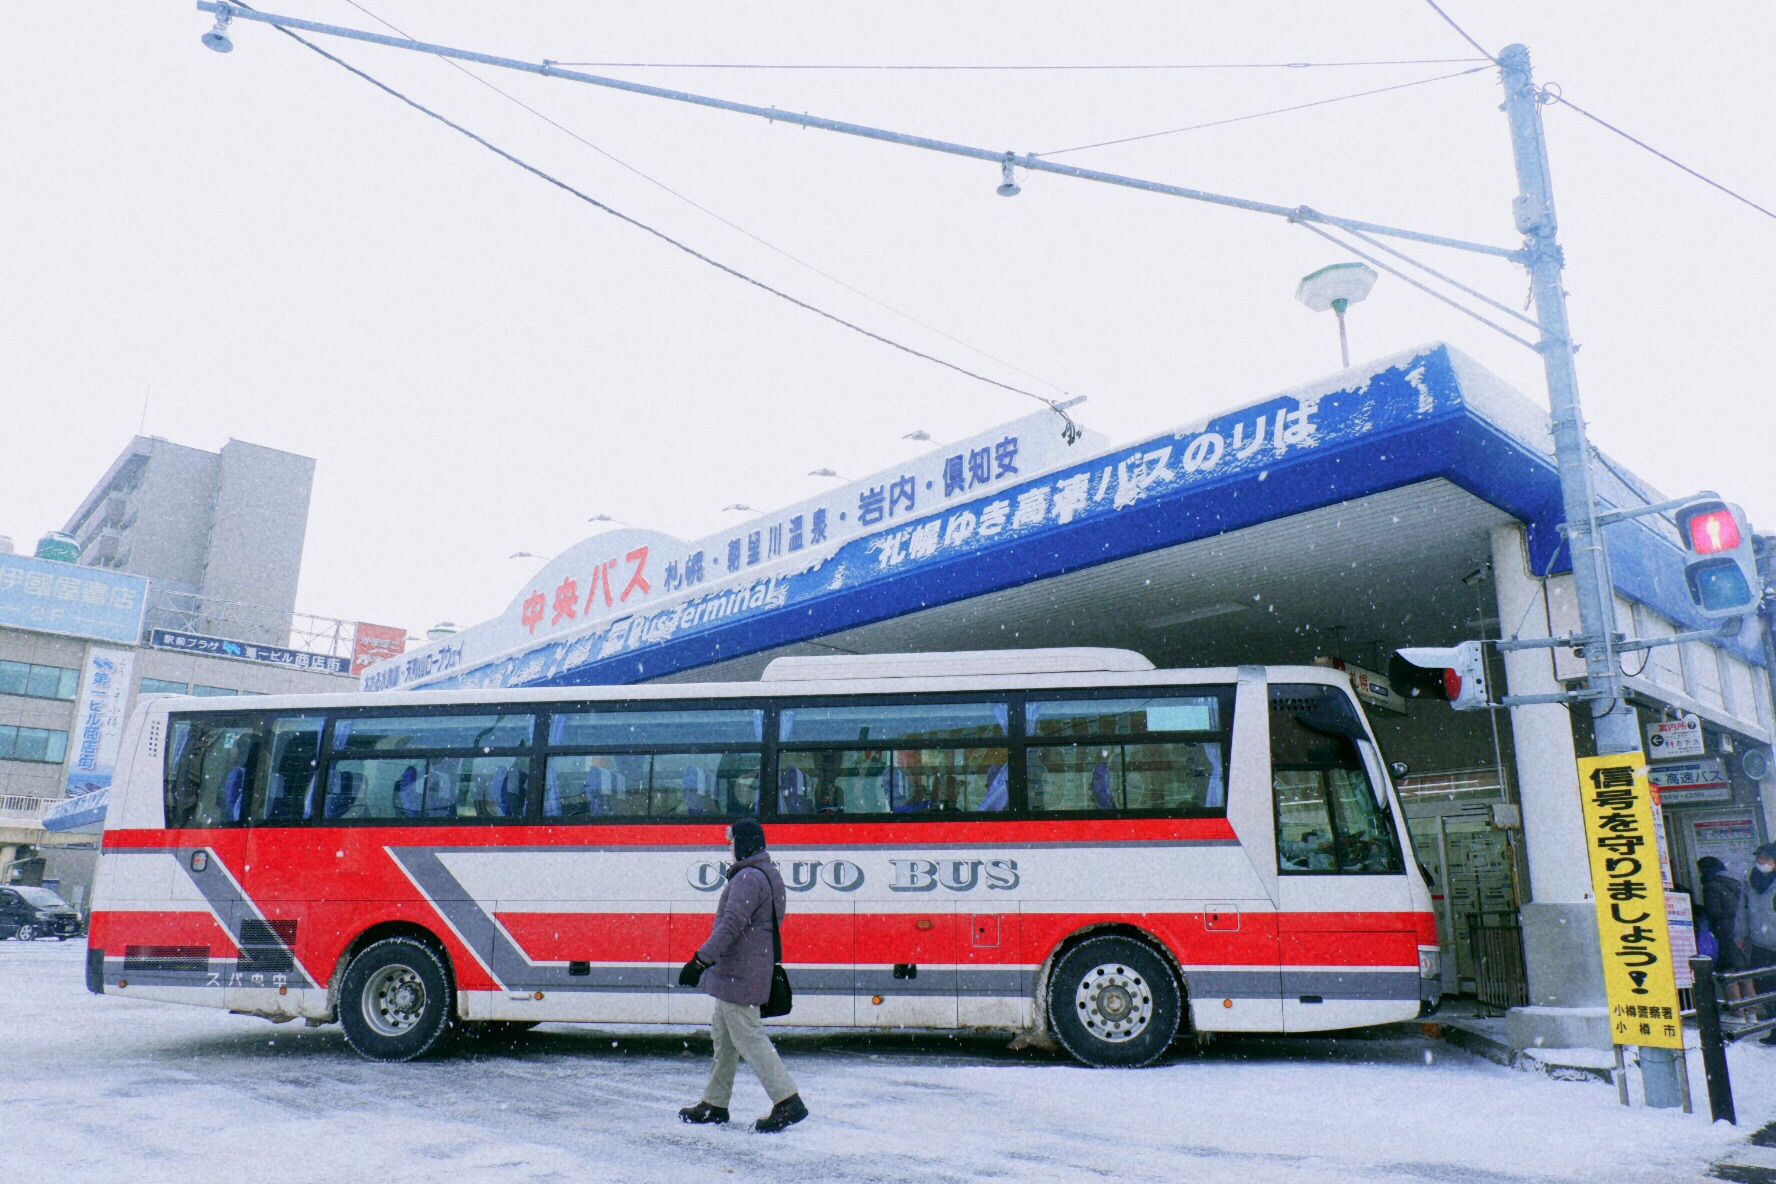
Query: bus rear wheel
(1113, 1002)
(396, 1001)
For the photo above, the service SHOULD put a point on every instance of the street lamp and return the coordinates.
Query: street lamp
(921, 436)
(741, 506)
(525, 555)
(1337, 288)
(606, 518)
(827, 473)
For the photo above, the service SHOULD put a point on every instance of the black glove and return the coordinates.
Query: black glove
(692, 973)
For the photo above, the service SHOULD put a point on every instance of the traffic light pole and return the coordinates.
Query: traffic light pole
(1614, 722)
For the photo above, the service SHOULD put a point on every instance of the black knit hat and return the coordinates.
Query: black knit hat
(1708, 865)
(749, 838)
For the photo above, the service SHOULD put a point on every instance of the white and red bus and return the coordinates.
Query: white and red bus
(1068, 843)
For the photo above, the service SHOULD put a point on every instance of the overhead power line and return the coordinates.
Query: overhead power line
(695, 205)
(1450, 21)
(1106, 66)
(1195, 127)
(1563, 101)
(1072, 428)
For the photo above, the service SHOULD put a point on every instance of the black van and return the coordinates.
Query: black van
(28, 913)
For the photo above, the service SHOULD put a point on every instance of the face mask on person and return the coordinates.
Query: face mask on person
(1766, 867)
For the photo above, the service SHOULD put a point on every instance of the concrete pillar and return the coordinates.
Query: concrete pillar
(1561, 954)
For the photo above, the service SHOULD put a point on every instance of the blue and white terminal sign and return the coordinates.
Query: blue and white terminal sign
(56, 597)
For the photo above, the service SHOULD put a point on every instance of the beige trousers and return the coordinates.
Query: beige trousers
(738, 1033)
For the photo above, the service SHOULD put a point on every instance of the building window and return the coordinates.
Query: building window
(164, 686)
(33, 744)
(204, 692)
(38, 682)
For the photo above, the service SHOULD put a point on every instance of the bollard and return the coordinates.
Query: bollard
(1714, 1052)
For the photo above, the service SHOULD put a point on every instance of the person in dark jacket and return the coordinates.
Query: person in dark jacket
(1721, 896)
(734, 967)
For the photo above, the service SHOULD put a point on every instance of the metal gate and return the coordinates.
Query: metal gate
(1496, 941)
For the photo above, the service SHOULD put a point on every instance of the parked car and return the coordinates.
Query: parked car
(31, 913)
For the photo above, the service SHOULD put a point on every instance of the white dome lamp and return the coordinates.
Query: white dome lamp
(1337, 288)
(442, 630)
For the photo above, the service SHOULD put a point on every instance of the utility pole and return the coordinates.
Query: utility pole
(1614, 722)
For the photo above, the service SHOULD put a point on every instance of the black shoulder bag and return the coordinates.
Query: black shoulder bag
(782, 998)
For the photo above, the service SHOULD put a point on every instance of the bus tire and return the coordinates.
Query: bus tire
(396, 1001)
(1113, 1002)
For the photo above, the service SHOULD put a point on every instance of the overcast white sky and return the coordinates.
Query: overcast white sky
(479, 364)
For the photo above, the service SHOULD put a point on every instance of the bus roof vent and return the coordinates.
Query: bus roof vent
(956, 664)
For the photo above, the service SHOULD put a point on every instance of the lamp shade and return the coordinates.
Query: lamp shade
(1325, 288)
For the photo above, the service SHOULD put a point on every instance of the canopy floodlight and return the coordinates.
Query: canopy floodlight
(1008, 186)
(922, 436)
(217, 38)
(1337, 288)
(824, 473)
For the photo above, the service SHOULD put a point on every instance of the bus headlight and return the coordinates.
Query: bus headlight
(1430, 962)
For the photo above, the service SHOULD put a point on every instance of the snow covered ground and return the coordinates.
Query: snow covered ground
(108, 1089)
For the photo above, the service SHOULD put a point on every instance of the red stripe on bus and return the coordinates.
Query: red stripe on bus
(112, 930)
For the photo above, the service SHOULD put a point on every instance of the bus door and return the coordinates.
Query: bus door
(1346, 926)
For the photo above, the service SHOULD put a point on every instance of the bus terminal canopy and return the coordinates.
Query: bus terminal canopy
(1357, 503)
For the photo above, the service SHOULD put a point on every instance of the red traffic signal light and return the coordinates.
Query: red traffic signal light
(1720, 569)
(1713, 532)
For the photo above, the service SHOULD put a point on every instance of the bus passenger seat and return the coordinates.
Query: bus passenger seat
(792, 792)
(234, 792)
(406, 798)
(697, 798)
(343, 798)
(998, 790)
(1101, 786)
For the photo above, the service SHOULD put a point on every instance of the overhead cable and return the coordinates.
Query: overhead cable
(1562, 101)
(1425, 288)
(1450, 21)
(1073, 430)
(1196, 127)
(1111, 66)
(657, 183)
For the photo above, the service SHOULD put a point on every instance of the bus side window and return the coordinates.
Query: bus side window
(287, 776)
(1328, 817)
(210, 766)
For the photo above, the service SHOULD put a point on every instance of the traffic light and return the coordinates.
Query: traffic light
(1457, 674)
(1720, 568)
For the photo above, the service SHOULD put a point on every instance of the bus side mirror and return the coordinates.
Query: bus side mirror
(1399, 769)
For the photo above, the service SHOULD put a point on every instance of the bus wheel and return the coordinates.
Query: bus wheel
(396, 1002)
(1112, 1001)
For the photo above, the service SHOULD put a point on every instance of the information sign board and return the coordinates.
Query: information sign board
(1632, 927)
(1676, 737)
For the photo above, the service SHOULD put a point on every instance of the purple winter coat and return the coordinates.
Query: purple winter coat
(739, 950)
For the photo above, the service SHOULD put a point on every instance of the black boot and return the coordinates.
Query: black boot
(704, 1112)
(786, 1113)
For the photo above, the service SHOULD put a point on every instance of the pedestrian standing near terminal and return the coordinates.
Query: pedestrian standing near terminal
(734, 967)
(1723, 907)
(1760, 929)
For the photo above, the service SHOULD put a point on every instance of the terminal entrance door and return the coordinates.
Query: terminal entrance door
(1473, 886)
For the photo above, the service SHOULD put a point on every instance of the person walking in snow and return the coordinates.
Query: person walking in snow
(734, 967)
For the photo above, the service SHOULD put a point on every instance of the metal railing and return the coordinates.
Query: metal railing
(191, 612)
(1708, 1014)
(24, 808)
(1497, 950)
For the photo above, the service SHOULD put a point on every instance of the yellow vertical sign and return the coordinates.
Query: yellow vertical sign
(1637, 971)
